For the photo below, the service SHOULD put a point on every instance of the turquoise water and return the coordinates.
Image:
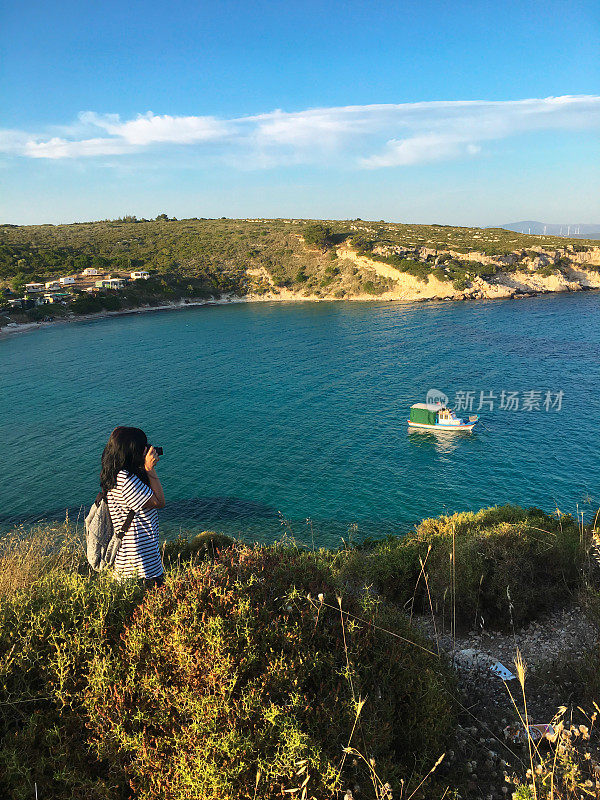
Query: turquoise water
(273, 414)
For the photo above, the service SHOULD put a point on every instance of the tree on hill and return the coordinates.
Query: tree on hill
(318, 236)
(17, 284)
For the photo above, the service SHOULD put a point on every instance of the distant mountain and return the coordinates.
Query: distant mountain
(573, 230)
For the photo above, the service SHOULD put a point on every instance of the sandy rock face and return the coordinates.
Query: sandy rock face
(589, 257)
(572, 273)
(492, 291)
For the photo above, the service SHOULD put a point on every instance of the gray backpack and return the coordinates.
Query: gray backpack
(102, 541)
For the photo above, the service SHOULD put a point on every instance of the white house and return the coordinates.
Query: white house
(111, 283)
(90, 271)
(52, 285)
(140, 274)
(34, 287)
(115, 283)
(67, 279)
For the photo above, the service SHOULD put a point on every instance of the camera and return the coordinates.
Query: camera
(159, 450)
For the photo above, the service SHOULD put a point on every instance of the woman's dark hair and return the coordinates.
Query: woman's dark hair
(124, 450)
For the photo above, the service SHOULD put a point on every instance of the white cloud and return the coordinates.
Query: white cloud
(319, 125)
(12, 141)
(418, 150)
(455, 129)
(149, 128)
(369, 136)
(63, 148)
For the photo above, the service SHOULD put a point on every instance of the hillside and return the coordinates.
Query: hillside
(265, 671)
(292, 260)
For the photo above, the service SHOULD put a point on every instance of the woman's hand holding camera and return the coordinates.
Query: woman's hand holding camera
(150, 459)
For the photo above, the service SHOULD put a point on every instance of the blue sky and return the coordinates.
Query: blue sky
(466, 113)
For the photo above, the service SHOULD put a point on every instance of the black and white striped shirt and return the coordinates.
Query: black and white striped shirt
(139, 555)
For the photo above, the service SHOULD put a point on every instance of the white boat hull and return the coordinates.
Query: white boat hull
(468, 426)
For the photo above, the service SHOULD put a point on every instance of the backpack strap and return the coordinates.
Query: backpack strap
(128, 519)
(126, 525)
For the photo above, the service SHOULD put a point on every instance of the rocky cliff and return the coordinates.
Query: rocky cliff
(511, 275)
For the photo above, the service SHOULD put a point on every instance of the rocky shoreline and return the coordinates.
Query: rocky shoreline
(503, 286)
(580, 275)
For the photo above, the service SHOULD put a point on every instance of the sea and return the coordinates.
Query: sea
(290, 419)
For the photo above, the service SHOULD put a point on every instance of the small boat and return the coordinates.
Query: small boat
(442, 418)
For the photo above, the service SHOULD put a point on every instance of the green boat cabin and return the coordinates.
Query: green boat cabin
(423, 414)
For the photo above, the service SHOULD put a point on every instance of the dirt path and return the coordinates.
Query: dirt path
(481, 753)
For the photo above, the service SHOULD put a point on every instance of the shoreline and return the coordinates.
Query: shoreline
(24, 327)
(285, 297)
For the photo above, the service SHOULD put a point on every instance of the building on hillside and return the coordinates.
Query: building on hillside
(67, 279)
(116, 283)
(34, 287)
(90, 271)
(52, 285)
(22, 302)
(140, 274)
(111, 283)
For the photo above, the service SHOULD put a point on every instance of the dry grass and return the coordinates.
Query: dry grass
(28, 555)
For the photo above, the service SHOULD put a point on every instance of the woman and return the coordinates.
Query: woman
(129, 481)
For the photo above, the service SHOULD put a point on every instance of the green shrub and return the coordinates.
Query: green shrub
(86, 304)
(390, 567)
(27, 556)
(230, 683)
(460, 284)
(318, 236)
(50, 632)
(279, 276)
(547, 270)
(510, 564)
(205, 544)
(374, 287)
(112, 302)
(418, 269)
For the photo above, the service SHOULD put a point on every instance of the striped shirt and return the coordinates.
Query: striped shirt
(138, 555)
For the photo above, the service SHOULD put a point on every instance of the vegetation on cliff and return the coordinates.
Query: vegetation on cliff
(262, 672)
(203, 258)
